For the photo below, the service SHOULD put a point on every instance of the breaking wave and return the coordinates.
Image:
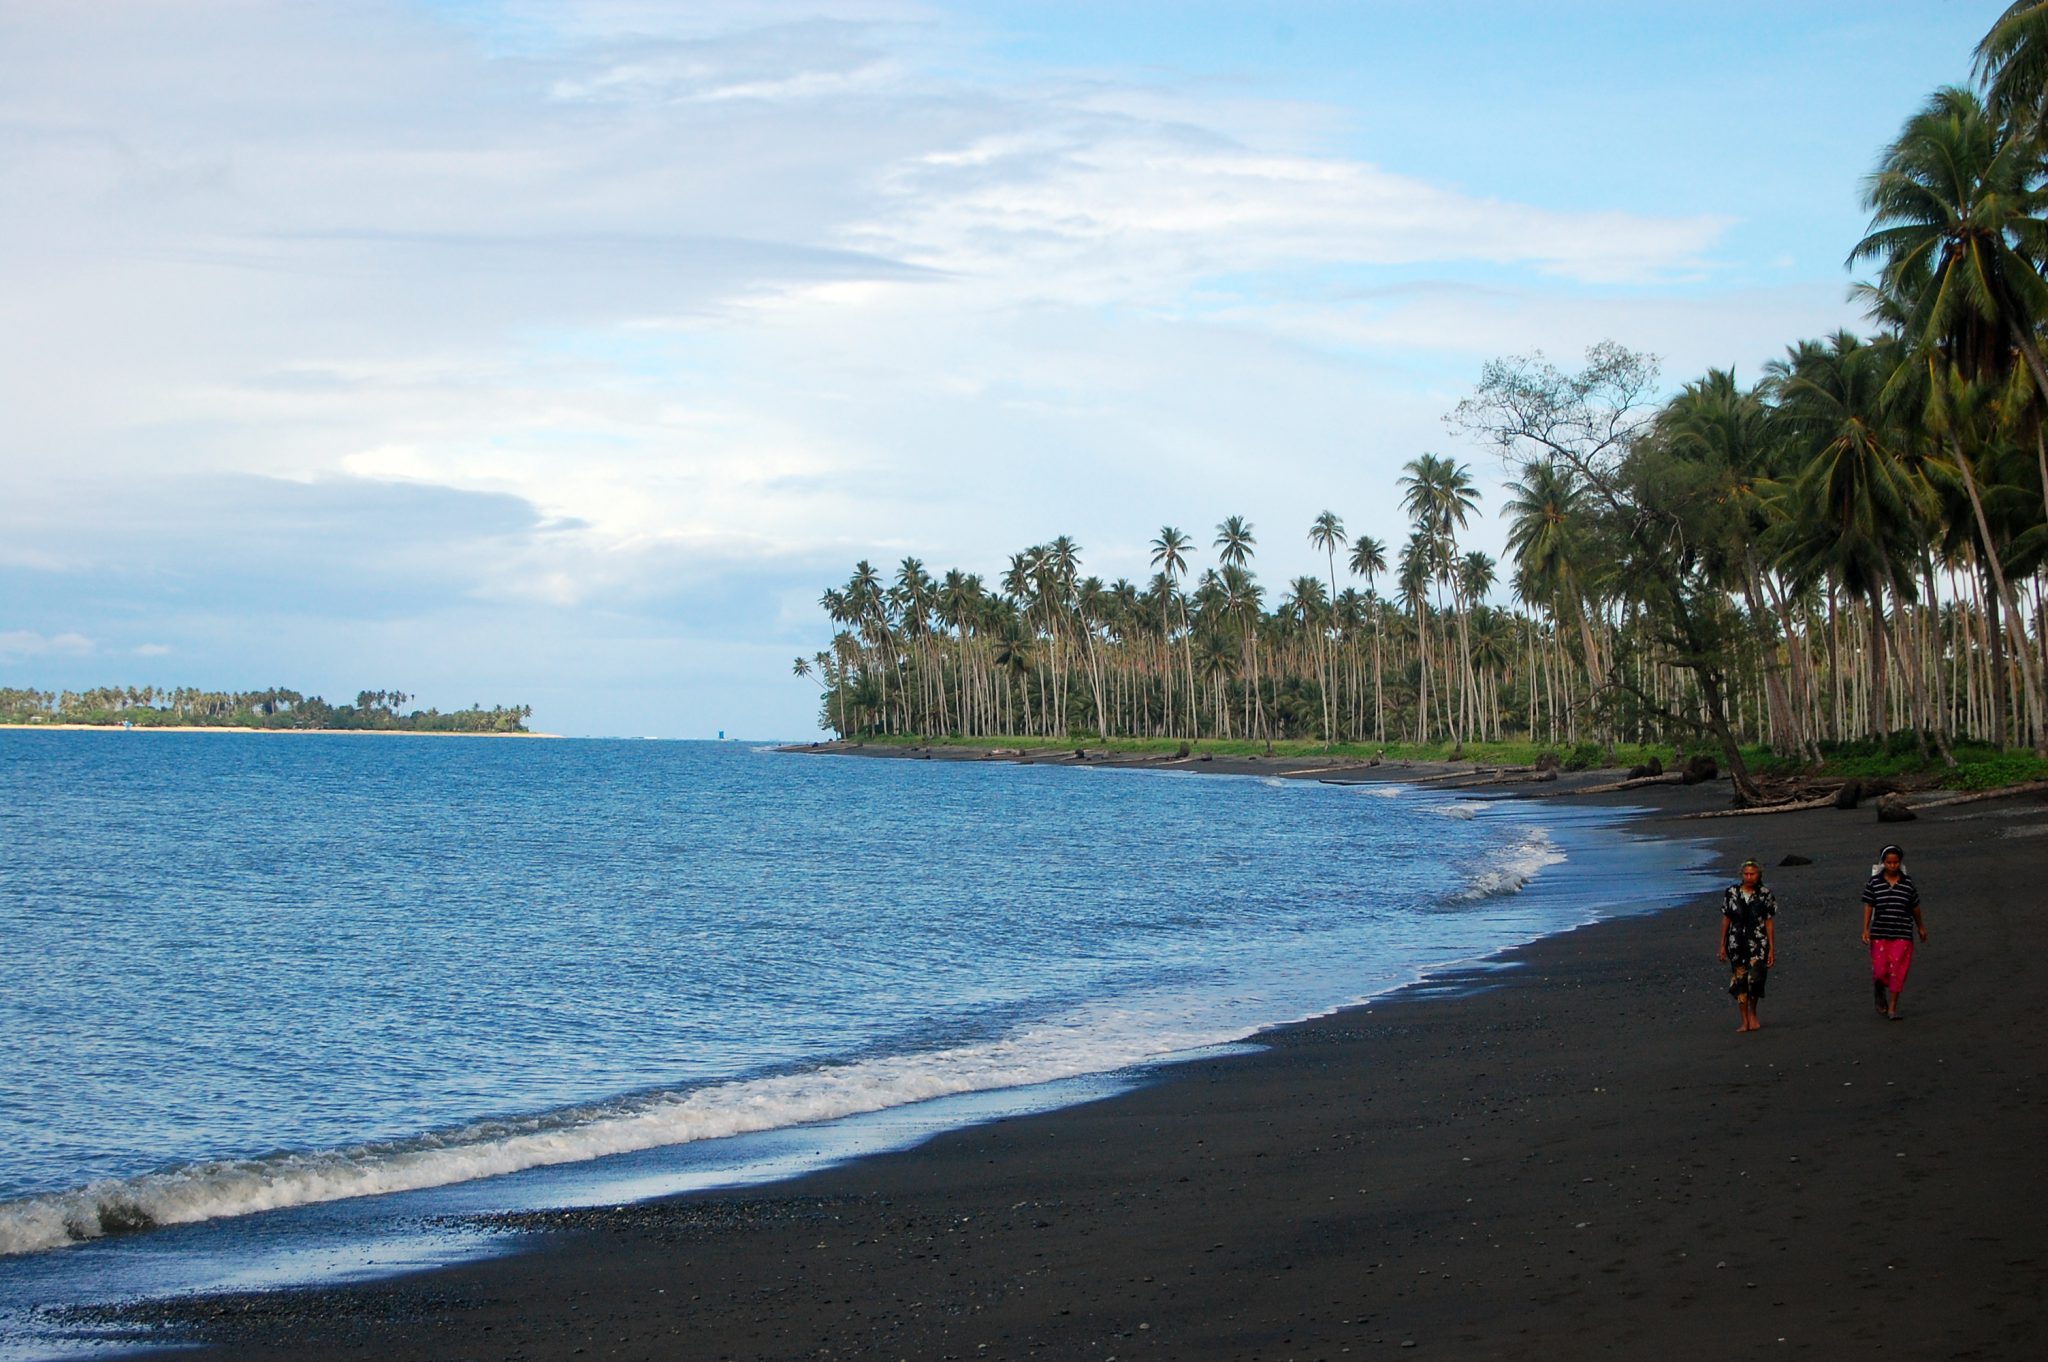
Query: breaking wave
(218, 1188)
(1521, 863)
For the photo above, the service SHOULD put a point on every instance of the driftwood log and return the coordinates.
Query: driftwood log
(1979, 796)
(1518, 775)
(1668, 778)
(1823, 801)
(1792, 806)
(1446, 775)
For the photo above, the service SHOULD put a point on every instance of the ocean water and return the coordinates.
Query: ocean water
(298, 994)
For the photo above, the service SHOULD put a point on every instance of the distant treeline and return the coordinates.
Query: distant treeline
(186, 707)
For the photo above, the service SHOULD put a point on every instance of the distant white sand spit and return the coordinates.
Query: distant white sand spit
(231, 728)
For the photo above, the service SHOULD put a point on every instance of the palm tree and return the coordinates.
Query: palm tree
(1474, 577)
(1308, 607)
(2012, 61)
(1977, 417)
(1440, 496)
(1240, 600)
(1546, 533)
(1016, 653)
(1234, 542)
(1956, 226)
(1059, 572)
(1170, 556)
(1416, 570)
(818, 668)
(1326, 534)
(1717, 425)
(1438, 493)
(1368, 560)
(1234, 546)
(1856, 515)
(1215, 663)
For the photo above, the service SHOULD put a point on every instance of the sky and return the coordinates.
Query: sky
(563, 353)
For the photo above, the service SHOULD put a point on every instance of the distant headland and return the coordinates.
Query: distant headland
(271, 710)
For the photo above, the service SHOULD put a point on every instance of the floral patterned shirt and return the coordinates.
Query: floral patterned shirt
(1743, 916)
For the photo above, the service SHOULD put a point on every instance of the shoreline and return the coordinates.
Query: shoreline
(1287, 765)
(1302, 1200)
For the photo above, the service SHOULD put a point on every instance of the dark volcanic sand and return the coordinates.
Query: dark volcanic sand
(1580, 1158)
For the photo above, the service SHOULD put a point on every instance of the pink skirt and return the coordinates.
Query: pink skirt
(1889, 961)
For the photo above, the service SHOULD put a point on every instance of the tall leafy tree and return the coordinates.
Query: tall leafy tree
(1439, 494)
(1234, 542)
(1957, 230)
(1856, 513)
(1170, 557)
(1547, 533)
(1368, 560)
(2012, 61)
(1327, 533)
(1653, 509)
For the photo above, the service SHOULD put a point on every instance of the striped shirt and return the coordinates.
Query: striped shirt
(1891, 907)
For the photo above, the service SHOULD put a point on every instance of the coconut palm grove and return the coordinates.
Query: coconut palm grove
(1849, 551)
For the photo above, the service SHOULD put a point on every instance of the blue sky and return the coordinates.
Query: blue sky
(564, 352)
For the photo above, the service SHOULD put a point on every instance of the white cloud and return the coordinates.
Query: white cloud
(616, 307)
(19, 644)
(153, 650)
(1101, 210)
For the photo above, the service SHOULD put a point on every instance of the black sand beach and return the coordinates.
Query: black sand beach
(1578, 1157)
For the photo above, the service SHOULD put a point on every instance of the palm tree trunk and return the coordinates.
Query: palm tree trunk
(1379, 693)
(1422, 671)
(2024, 337)
(2029, 676)
(1879, 725)
(1774, 680)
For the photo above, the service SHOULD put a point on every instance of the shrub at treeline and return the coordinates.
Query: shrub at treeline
(1978, 765)
(1849, 549)
(148, 707)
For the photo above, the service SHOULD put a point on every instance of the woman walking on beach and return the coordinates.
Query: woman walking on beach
(1749, 941)
(1891, 916)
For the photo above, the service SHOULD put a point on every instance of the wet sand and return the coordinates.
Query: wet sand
(1577, 1157)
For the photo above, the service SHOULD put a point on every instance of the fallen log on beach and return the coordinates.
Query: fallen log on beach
(1521, 775)
(1979, 796)
(1476, 772)
(1790, 806)
(1827, 800)
(1634, 783)
(1441, 776)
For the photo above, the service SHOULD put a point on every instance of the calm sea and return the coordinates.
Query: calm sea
(245, 974)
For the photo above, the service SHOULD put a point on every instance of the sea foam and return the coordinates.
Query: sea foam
(1043, 1053)
(1518, 865)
